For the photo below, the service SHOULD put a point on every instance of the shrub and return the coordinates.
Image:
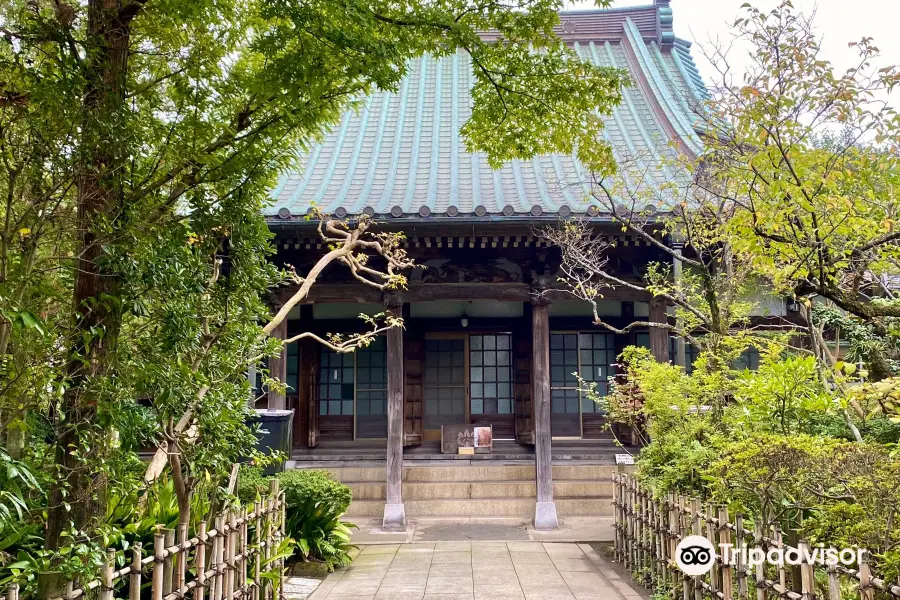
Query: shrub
(315, 505)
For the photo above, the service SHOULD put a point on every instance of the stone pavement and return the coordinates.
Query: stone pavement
(515, 570)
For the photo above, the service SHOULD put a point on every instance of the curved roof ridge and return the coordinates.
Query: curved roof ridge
(650, 74)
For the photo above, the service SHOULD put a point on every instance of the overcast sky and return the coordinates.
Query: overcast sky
(838, 22)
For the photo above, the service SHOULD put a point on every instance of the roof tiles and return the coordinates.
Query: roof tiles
(401, 155)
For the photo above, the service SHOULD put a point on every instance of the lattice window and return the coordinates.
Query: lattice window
(336, 383)
(293, 367)
(590, 355)
(445, 382)
(371, 379)
(491, 374)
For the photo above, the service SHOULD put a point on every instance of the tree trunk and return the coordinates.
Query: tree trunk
(96, 308)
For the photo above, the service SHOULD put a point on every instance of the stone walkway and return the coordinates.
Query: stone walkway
(516, 570)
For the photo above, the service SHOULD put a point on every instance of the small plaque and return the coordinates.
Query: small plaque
(466, 450)
(484, 439)
(624, 459)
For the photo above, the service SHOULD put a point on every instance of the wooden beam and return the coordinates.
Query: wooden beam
(394, 511)
(545, 509)
(278, 368)
(659, 336)
(677, 267)
(424, 292)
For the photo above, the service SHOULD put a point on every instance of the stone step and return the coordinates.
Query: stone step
(485, 507)
(473, 473)
(474, 490)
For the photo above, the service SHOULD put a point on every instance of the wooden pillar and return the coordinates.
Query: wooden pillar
(394, 511)
(278, 368)
(659, 336)
(680, 357)
(545, 509)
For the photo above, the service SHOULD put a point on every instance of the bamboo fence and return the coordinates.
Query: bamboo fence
(221, 563)
(648, 530)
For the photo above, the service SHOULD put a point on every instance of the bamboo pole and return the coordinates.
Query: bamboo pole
(218, 545)
(658, 536)
(270, 537)
(12, 592)
(229, 556)
(168, 567)
(159, 545)
(739, 546)
(109, 565)
(683, 528)
(715, 573)
(639, 508)
(630, 563)
(866, 591)
(760, 569)
(807, 574)
(181, 557)
(779, 543)
(244, 529)
(696, 529)
(257, 510)
(725, 538)
(200, 561)
(834, 584)
(134, 578)
(617, 542)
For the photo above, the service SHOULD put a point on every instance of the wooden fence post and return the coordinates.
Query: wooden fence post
(725, 539)
(779, 543)
(218, 545)
(159, 547)
(134, 578)
(200, 561)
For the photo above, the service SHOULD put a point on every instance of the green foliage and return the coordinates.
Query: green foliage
(783, 396)
(315, 505)
(302, 487)
(17, 486)
(843, 494)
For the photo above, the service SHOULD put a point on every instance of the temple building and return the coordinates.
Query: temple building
(487, 339)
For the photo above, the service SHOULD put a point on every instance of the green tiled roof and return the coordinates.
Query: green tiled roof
(400, 155)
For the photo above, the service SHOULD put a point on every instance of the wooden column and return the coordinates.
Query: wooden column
(659, 336)
(394, 511)
(545, 509)
(278, 368)
(680, 357)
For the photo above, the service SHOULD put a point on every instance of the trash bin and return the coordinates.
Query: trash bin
(275, 432)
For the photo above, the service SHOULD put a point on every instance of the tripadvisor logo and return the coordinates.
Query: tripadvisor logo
(695, 555)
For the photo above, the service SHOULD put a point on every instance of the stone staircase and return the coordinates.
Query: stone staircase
(483, 490)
